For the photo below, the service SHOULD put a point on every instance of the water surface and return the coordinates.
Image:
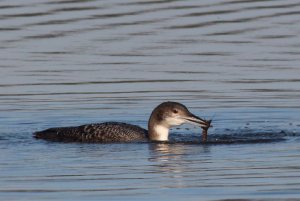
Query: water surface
(71, 62)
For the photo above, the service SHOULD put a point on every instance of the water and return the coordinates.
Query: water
(71, 62)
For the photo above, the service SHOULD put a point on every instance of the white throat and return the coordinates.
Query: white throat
(162, 133)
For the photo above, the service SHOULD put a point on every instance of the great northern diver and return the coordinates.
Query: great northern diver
(163, 117)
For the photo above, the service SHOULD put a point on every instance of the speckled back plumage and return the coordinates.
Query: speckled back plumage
(102, 132)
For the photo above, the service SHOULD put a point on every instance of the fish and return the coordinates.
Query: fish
(205, 131)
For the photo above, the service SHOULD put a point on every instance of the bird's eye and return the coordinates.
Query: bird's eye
(175, 111)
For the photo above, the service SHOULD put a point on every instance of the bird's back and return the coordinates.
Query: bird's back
(101, 132)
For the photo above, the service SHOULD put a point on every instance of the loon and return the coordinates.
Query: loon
(162, 118)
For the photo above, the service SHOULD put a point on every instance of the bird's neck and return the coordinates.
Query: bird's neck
(159, 133)
(158, 130)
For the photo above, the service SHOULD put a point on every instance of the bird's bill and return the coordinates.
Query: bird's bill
(193, 119)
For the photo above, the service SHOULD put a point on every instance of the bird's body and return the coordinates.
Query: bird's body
(163, 117)
(98, 133)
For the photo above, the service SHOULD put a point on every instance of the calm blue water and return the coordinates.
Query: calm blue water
(72, 62)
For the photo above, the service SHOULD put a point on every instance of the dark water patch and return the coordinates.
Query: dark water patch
(143, 33)
(246, 138)
(50, 35)
(58, 34)
(236, 32)
(183, 7)
(210, 54)
(130, 54)
(109, 94)
(81, 8)
(69, 2)
(205, 13)
(291, 53)
(222, 12)
(65, 21)
(195, 25)
(240, 20)
(151, 2)
(11, 139)
(53, 53)
(272, 90)
(93, 83)
(259, 81)
(56, 22)
(9, 29)
(21, 15)
(276, 36)
(245, 1)
(279, 6)
(186, 72)
(2, 138)
(234, 41)
(65, 190)
(103, 16)
(274, 59)
(10, 6)
(137, 22)
(235, 137)
(116, 63)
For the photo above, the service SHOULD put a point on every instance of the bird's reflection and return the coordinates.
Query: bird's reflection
(171, 162)
(165, 152)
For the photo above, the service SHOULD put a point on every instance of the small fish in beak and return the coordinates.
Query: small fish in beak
(204, 131)
(204, 124)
